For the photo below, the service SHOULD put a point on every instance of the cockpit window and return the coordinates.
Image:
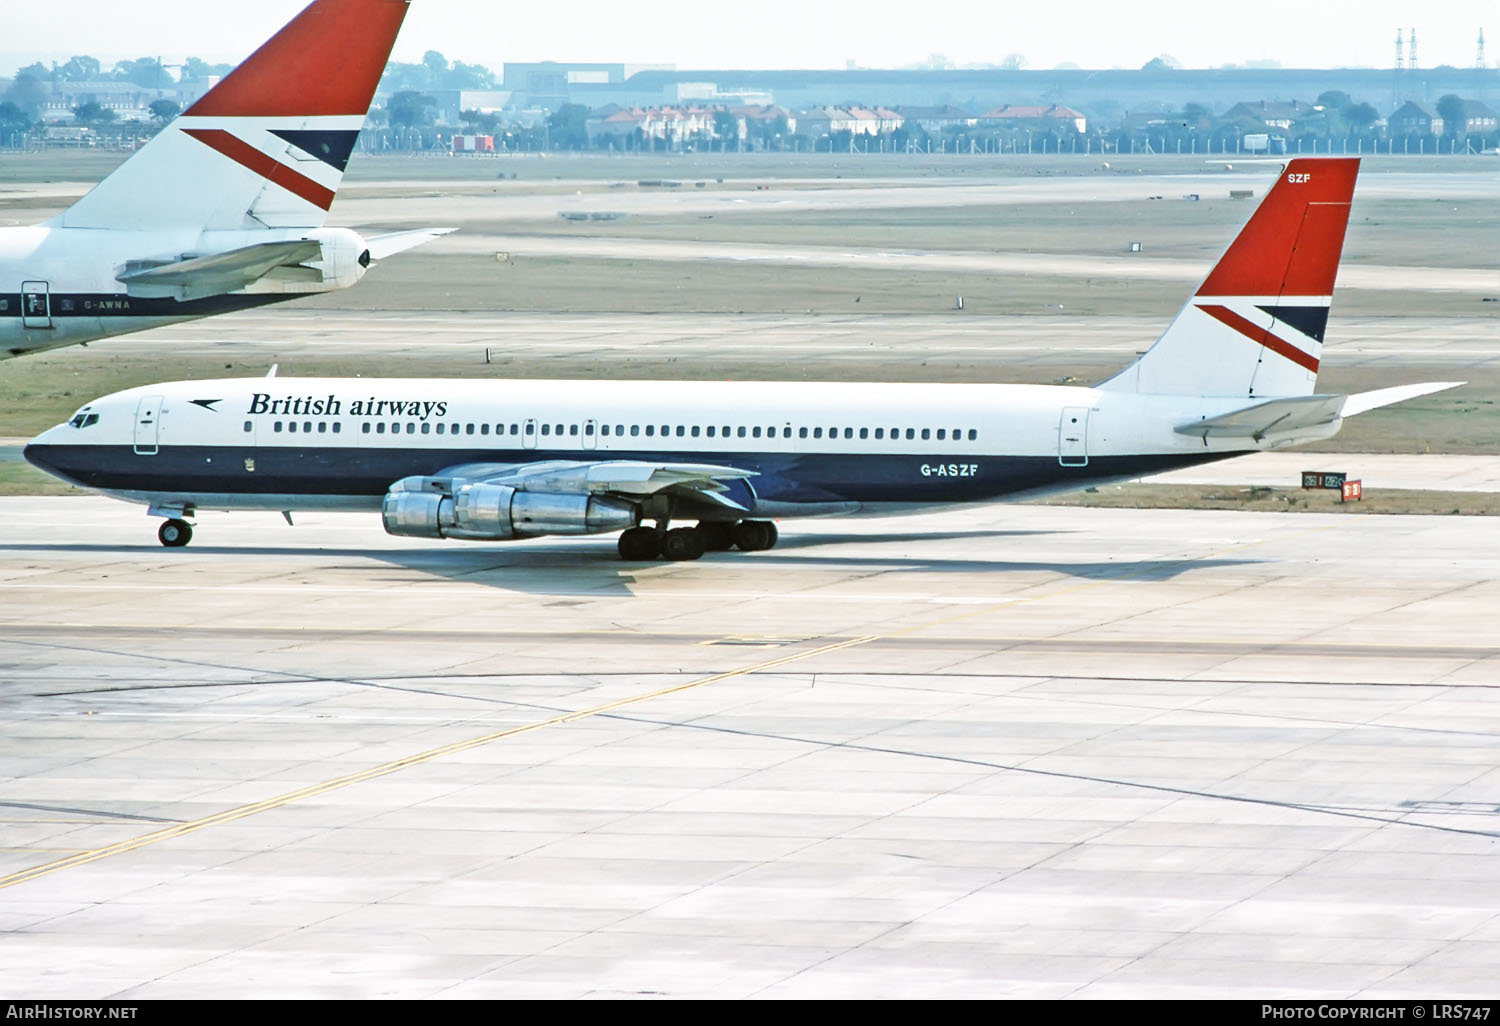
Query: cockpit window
(83, 418)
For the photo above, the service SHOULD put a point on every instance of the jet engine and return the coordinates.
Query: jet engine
(422, 507)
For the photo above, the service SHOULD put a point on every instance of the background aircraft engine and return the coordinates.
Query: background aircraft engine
(345, 256)
(492, 512)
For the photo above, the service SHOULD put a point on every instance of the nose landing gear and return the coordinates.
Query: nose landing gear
(174, 534)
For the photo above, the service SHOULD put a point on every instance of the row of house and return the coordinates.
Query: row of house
(613, 123)
(1411, 118)
(128, 102)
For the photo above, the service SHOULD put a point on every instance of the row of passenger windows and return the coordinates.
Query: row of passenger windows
(531, 429)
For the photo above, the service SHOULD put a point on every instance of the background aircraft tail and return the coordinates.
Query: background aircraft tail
(1254, 328)
(267, 146)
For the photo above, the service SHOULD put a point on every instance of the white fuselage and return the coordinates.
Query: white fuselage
(59, 286)
(812, 448)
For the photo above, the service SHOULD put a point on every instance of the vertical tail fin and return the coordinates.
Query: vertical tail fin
(1254, 328)
(267, 146)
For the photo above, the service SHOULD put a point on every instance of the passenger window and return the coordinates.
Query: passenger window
(755, 433)
(681, 430)
(307, 427)
(726, 430)
(277, 428)
(379, 428)
(650, 430)
(973, 435)
(817, 432)
(427, 429)
(468, 429)
(560, 428)
(941, 434)
(546, 429)
(864, 432)
(770, 432)
(249, 427)
(741, 432)
(635, 429)
(848, 432)
(911, 433)
(424, 429)
(620, 430)
(291, 426)
(337, 427)
(411, 429)
(604, 430)
(515, 429)
(666, 429)
(322, 427)
(957, 434)
(802, 432)
(588, 429)
(695, 430)
(926, 434)
(879, 433)
(710, 431)
(572, 430)
(365, 428)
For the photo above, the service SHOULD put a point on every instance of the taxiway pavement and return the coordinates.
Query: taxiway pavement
(1004, 751)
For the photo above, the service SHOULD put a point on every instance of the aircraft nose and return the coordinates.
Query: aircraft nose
(35, 453)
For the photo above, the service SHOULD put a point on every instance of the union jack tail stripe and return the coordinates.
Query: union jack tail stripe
(1255, 326)
(267, 146)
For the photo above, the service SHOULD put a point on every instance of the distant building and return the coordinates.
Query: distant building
(1413, 118)
(935, 119)
(1271, 113)
(128, 101)
(1052, 116)
(1479, 119)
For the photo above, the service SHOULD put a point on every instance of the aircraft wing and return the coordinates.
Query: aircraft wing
(1285, 416)
(218, 273)
(625, 478)
(382, 246)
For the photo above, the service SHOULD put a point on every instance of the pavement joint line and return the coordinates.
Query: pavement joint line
(385, 769)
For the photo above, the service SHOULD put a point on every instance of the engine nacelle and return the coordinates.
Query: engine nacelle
(345, 257)
(424, 507)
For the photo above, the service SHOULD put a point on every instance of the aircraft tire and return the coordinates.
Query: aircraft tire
(682, 543)
(718, 536)
(639, 544)
(174, 534)
(755, 535)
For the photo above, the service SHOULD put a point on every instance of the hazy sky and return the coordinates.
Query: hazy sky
(784, 33)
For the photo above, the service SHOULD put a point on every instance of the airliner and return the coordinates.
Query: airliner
(489, 460)
(225, 208)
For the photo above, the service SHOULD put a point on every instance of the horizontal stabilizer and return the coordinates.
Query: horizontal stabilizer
(1284, 416)
(1275, 415)
(1362, 401)
(382, 246)
(220, 273)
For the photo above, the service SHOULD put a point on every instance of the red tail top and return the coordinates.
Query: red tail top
(1292, 242)
(326, 61)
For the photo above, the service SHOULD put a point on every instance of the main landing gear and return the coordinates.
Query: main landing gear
(174, 534)
(684, 543)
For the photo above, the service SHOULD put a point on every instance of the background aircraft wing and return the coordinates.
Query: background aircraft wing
(214, 275)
